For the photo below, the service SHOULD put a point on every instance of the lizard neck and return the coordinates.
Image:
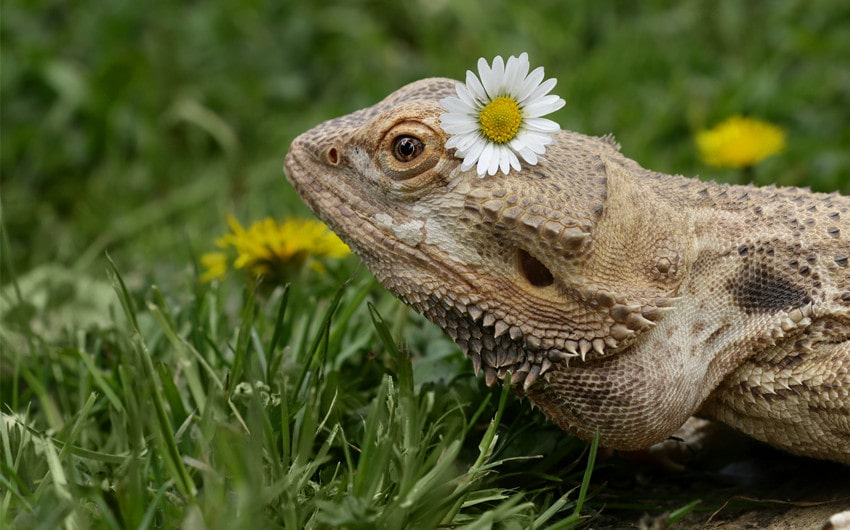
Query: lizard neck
(584, 283)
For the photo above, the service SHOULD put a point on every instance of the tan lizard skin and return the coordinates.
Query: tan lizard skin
(618, 298)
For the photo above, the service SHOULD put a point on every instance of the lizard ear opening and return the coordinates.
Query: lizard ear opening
(535, 272)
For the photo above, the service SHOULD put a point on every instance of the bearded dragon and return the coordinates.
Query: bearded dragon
(615, 298)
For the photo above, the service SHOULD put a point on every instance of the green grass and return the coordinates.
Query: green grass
(134, 396)
(143, 424)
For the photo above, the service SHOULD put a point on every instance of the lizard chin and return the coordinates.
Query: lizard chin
(507, 349)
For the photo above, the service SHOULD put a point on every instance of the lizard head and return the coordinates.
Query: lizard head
(524, 271)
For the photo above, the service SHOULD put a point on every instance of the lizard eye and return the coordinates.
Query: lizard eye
(407, 148)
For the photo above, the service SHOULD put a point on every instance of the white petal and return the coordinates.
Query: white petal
(529, 156)
(463, 143)
(456, 118)
(461, 128)
(453, 141)
(498, 73)
(537, 142)
(492, 78)
(543, 125)
(484, 160)
(523, 62)
(464, 96)
(460, 87)
(469, 99)
(544, 88)
(518, 143)
(514, 162)
(473, 152)
(469, 143)
(454, 105)
(507, 159)
(504, 159)
(515, 72)
(475, 87)
(495, 157)
(531, 82)
(542, 106)
(483, 76)
(483, 66)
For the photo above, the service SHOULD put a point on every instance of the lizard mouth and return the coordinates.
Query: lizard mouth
(326, 203)
(299, 177)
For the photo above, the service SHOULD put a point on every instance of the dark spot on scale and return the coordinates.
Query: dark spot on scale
(697, 328)
(759, 289)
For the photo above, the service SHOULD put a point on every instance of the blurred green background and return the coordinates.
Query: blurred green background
(133, 127)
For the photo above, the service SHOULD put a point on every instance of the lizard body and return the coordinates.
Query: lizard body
(617, 298)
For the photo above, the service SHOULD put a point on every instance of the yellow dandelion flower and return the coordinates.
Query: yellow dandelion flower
(272, 249)
(215, 265)
(740, 142)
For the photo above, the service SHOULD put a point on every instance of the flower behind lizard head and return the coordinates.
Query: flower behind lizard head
(740, 142)
(494, 120)
(271, 249)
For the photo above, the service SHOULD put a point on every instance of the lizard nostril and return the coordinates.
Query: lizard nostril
(333, 156)
(535, 272)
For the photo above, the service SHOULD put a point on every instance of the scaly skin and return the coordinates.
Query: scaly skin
(618, 298)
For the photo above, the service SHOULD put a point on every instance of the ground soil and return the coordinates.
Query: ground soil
(740, 483)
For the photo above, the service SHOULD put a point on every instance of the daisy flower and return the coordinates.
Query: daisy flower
(496, 119)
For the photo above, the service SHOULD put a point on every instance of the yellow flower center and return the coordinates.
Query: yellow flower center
(500, 120)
